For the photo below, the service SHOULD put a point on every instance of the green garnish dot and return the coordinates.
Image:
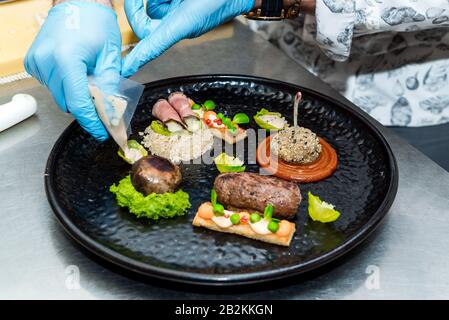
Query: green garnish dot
(218, 209)
(240, 118)
(196, 106)
(226, 120)
(209, 105)
(232, 129)
(254, 217)
(220, 115)
(273, 226)
(159, 128)
(268, 212)
(213, 196)
(235, 218)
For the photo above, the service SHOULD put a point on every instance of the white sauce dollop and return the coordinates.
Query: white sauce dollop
(260, 227)
(133, 154)
(222, 221)
(275, 121)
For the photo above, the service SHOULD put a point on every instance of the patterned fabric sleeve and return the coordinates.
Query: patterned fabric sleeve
(338, 21)
(335, 24)
(400, 15)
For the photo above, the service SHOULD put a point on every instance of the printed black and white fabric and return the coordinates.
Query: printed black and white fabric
(389, 57)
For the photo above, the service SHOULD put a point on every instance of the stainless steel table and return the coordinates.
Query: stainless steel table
(407, 257)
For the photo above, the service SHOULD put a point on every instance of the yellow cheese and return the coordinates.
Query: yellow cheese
(21, 20)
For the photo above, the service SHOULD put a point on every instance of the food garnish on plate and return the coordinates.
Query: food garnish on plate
(296, 153)
(270, 120)
(165, 112)
(134, 152)
(152, 189)
(178, 134)
(227, 163)
(221, 126)
(213, 216)
(321, 210)
(183, 107)
(254, 192)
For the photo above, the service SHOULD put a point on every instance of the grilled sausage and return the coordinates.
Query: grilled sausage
(251, 191)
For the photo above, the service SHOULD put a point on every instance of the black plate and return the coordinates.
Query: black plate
(80, 170)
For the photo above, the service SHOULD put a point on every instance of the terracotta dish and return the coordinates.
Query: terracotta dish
(320, 169)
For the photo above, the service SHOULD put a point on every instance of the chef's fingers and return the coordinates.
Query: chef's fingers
(158, 9)
(40, 62)
(79, 102)
(108, 67)
(141, 24)
(169, 32)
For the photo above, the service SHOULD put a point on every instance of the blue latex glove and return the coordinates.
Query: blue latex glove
(78, 39)
(178, 19)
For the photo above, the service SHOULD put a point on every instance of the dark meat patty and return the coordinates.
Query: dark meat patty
(153, 174)
(251, 191)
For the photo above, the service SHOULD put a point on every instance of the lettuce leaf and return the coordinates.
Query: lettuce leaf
(153, 206)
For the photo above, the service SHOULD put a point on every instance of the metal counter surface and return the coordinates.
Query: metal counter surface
(407, 257)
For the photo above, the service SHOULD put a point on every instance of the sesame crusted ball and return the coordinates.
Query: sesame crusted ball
(296, 145)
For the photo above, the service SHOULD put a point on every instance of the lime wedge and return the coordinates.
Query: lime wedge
(226, 163)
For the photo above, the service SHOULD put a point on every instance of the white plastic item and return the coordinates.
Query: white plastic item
(116, 111)
(21, 107)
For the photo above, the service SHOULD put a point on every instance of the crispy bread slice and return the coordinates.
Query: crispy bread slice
(245, 231)
(227, 136)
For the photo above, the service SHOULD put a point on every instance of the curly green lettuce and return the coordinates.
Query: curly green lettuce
(153, 206)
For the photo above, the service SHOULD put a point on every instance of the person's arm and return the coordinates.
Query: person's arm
(306, 6)
(339, 21)
(78, 38)
(166, 22)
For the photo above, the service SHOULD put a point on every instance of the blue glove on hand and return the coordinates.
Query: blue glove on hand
(179, 19)
(76, 40)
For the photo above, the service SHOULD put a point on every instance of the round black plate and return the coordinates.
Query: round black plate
(80, 170)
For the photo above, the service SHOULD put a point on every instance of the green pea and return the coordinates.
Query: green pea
(254, 217)
(220, 115)
(235, 218)
(273, 226)
(196, 106)
(209, 105)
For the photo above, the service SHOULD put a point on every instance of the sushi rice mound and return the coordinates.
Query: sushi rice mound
(178, 147)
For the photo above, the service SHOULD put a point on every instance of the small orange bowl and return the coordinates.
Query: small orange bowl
(320, 169)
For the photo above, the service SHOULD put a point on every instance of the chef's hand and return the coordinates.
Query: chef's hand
(178, 19)
(77, 39)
